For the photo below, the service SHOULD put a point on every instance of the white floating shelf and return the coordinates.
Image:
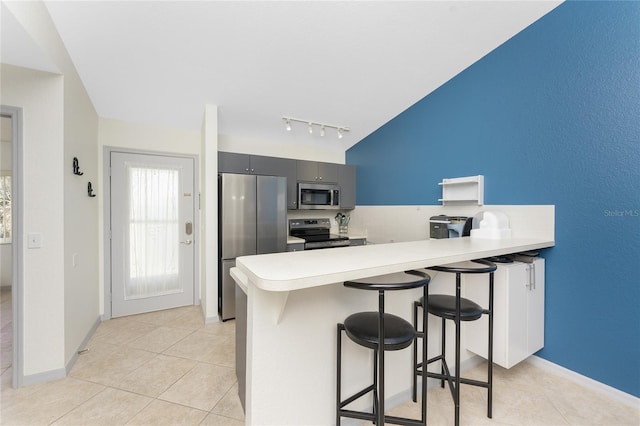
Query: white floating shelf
(463, 191)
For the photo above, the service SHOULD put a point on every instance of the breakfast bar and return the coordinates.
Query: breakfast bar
(294, 301)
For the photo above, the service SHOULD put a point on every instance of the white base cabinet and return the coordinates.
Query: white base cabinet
(518, 319)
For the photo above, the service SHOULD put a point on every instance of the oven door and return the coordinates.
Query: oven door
(313, 196)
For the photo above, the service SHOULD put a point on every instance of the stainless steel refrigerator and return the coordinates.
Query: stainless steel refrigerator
(252, 219)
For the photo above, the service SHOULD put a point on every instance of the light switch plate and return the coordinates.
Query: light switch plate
(34, 240)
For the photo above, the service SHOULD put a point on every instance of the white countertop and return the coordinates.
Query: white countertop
(304, 269)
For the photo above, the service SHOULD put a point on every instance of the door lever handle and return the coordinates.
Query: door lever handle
(186, 242)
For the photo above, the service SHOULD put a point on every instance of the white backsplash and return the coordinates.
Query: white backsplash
(385, 224)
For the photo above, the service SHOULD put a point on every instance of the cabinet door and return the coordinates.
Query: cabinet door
(267, 166)
(311, 171)
(328, 172)
(516, 344)
(295, 247)
(347, 183)
(535, 307)
(509, 314)
(307, 171)
(231, 162)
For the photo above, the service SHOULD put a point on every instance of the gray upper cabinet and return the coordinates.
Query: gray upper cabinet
(347, 183)
(312, 171)
(231, 162)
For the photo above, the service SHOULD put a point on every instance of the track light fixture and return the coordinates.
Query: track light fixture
(339, 129)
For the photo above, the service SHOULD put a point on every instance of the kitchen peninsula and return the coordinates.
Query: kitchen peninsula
(294, 301)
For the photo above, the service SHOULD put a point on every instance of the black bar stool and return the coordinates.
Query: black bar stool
(381, 332)
(458, 309)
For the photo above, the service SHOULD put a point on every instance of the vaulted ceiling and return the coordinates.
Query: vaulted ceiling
(348, 63)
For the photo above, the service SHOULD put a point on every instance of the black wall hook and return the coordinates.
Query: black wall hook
(76, 167)
(90, 190)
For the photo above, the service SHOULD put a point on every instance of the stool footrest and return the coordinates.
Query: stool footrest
(357, 395)
(357, 415)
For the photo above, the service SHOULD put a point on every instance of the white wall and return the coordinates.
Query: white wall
(40, 95)
(78, 256)
(285, 149)
(136, 136)
(209, 253)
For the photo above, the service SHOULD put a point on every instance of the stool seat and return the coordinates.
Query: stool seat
(362, 328)
(444, 306)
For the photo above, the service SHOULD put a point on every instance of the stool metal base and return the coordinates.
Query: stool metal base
(398, 335)
(375, 415)
(454, 380)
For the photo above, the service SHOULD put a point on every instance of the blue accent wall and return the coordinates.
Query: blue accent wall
(552, 116)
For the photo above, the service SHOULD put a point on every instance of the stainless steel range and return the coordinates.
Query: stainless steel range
(316, 233)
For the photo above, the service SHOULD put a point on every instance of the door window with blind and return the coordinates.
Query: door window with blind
(153, 232)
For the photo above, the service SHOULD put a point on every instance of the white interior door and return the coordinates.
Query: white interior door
(152, 232)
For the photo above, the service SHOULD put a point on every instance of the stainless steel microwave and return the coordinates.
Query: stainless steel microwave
(318, 196)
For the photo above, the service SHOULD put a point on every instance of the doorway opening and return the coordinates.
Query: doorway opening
(10, 245)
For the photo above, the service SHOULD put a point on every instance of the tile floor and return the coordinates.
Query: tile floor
(169, 368)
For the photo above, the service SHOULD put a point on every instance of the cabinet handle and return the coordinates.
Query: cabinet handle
(532, 275)
(252, 170)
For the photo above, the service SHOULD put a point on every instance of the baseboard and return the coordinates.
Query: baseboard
(83, 345)
(585, 381)
(45, 376)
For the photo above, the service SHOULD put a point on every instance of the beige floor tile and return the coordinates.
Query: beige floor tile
(6, 313)
(192, 319)
(110, 368)
(6, 335)
(44, 403)
(6, 380)
(229, 405)
(226, 328)
(156, 375)
(166, 413)
(206, 347)
(202, 387)
(109, 407)
(159, 339)
(584, 406)
(215, 420)
(165, 317)
(6, 356)
(124, 333)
